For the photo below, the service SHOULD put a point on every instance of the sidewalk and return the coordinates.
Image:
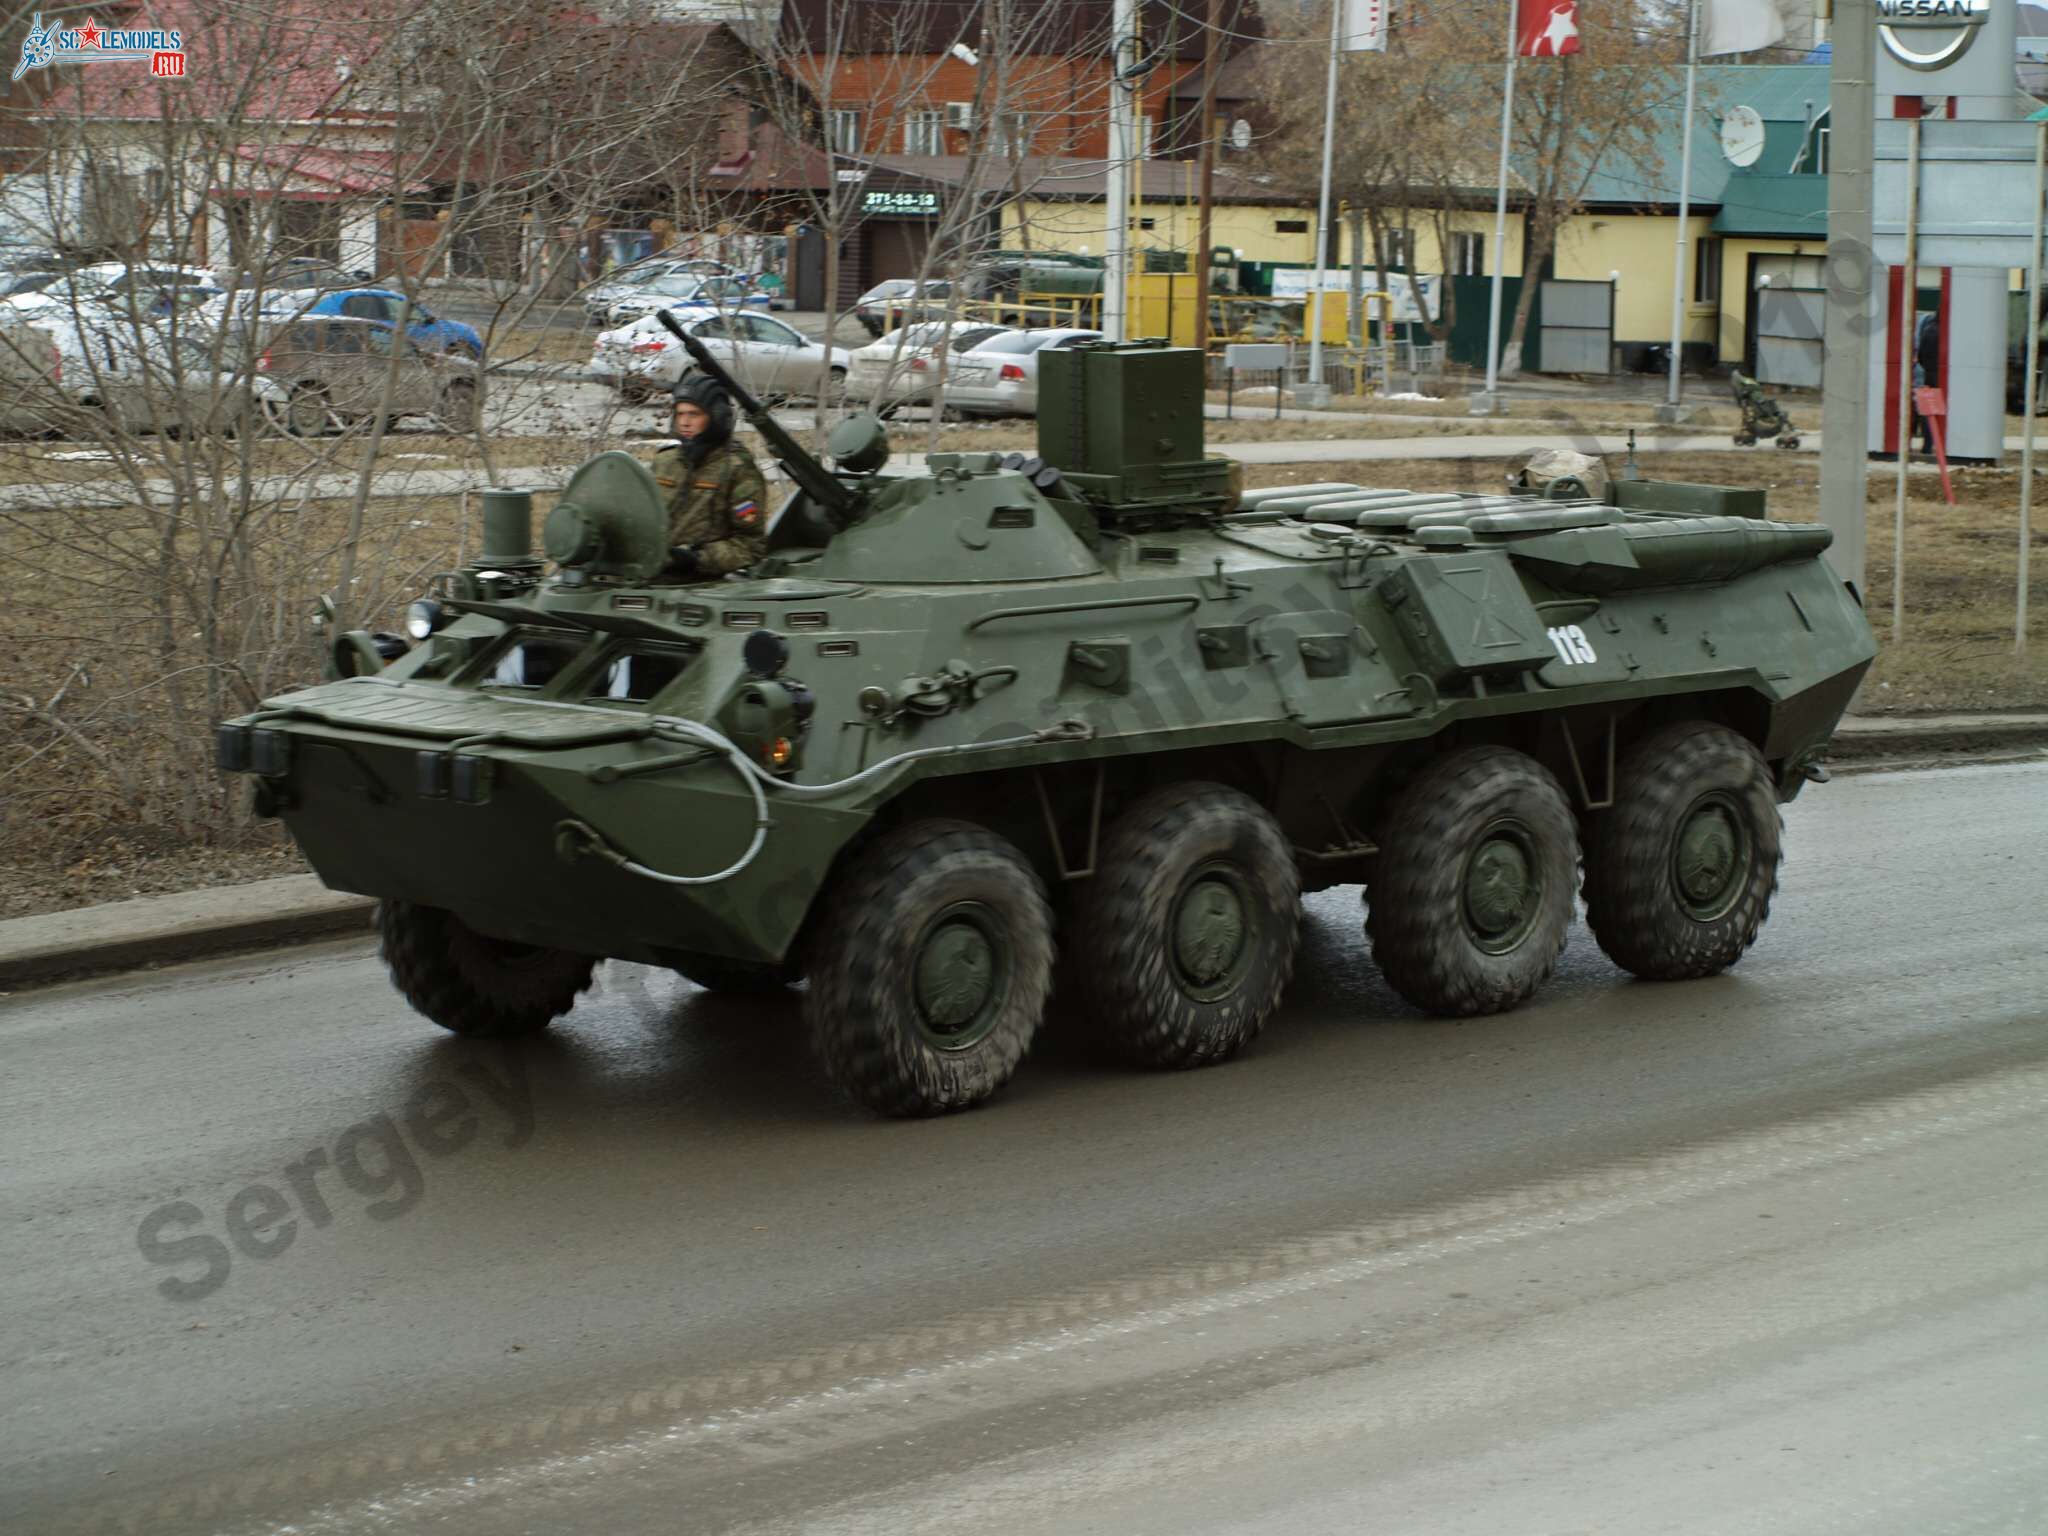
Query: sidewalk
(191, 925)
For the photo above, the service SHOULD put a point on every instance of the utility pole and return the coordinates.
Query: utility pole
(1851, 268)
(1116, 276)
(1203, 234)
(1314, 391)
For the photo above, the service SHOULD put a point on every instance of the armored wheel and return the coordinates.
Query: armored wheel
(1471, 894)
(1680, 871)
(1745, 439)
(1789, 440)
(715, 973)
(1185, 938)
(930, 969)
(471, 983)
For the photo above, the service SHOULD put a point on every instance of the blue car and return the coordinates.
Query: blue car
(423, 326)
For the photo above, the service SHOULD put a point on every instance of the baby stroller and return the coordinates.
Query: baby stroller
(1762, 416)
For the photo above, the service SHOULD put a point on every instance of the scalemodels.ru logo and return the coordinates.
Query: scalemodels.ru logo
(91, 43)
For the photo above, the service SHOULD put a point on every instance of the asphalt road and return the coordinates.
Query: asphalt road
(1760, 1253)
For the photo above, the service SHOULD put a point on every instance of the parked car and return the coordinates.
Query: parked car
(144, 379)
(770, 358)
(150, 289)
(900, 369)
(382, 306)
(32, 401)
(624, 282)
(1000, 376)
(312, 272)
(331, 369)
(890, 304)
(725, 293)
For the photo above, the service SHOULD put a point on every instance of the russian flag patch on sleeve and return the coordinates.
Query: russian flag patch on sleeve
(747, 513)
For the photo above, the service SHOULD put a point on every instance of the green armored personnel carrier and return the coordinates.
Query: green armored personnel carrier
(1098, 706)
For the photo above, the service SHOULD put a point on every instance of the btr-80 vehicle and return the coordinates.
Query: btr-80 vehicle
(1100, 705)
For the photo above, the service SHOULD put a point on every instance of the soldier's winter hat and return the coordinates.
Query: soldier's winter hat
(710, 397)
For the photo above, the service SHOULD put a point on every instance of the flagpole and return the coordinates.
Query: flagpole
(1678, 260)
(1313, 393)
(1488, 404)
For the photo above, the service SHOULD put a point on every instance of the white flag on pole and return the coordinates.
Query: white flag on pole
(1738, 26)
(1365, 27)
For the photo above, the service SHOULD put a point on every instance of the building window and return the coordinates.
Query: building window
(1290, 226)
(924, 133)
(846, 130)
(1013, 133)
(1147, 223)
(1820, 151)
(1468, 255)
(1706, 272)
(1400, 249)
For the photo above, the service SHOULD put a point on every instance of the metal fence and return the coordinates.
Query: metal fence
(1382, 369)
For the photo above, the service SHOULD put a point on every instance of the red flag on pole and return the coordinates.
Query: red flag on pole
(1546, 28)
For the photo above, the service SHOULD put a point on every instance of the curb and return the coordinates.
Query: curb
(1865, 738)
(188, 925)
(297, 909)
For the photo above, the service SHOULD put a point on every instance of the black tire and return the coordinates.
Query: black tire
(459, 408)
(1185, 938)
(715, 973)
(306, 412)
(931, 968)
(1471, 894)
(1681, 869)
(470, 983)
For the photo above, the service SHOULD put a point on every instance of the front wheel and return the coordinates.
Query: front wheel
(1681, 869)
(470, 983)
(1184, 939)
(931, 969)
(1471, 895)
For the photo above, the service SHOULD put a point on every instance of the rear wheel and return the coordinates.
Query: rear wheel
(459, 411)
(1681, 869)
(1471, 894)
(1185, 938)
(471, 983)
(306, 412)
(635, 391)
(931, 968)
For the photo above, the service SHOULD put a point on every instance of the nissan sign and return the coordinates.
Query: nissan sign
(1929, 34)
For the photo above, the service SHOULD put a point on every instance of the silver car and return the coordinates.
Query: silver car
(768, 357)
(331, 370)
(627, 282)
(999, 377)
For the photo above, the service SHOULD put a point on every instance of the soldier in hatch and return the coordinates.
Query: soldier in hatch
(717, 500)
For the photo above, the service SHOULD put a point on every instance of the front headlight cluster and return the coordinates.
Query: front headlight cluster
(425, 617)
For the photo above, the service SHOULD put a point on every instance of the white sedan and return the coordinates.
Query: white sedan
(768, 357)
(902, 367)
(153, 289)
(1000, 376)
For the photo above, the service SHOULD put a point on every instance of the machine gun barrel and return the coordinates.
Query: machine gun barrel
(812, 477)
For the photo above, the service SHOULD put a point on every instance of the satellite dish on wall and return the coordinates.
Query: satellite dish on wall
(1742, 135)
(1240, 134)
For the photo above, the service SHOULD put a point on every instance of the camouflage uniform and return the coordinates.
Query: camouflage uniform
(719, 507)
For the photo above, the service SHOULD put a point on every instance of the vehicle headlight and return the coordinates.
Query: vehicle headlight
(424, 617)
